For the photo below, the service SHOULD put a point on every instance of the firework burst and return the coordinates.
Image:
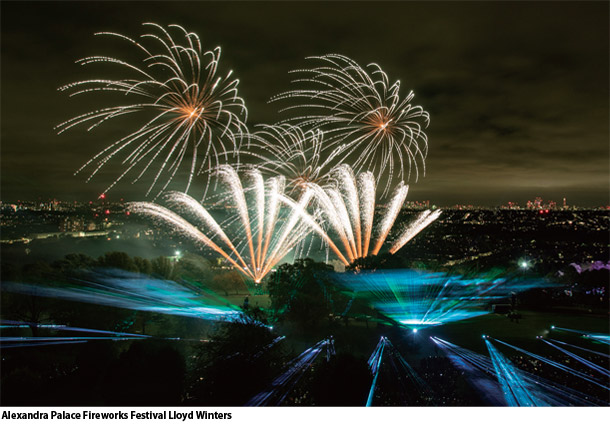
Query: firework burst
(363, 116)
(290, 151)
(348, 208)
(190, 114)
(262, 227)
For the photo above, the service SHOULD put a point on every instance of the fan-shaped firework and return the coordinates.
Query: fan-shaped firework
(349, 210)
(291, 152)
(362, 115)
(189, 112)
(264, 224)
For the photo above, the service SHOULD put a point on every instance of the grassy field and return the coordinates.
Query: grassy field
(359, 339)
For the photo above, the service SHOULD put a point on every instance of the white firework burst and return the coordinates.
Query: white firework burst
(363, 117)
(288, 150)
(189, 113)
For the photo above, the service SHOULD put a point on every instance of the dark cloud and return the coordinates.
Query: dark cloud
(517, 91)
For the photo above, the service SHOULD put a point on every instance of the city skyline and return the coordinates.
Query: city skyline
(530, 204)
(518, 105)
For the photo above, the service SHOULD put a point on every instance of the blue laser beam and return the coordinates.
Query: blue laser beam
(600, 337)
(482, 371)
(19, 342)
(20, 324)
(601, 354)
(580, 359)
(477, 368)
(386, 351)
(402, 368)
(420, 299)
(282, 385)
(137, 292)
(514, 386)
(374, 363)
(557, 365)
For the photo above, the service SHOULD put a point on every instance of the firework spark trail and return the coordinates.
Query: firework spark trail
(363, 115)
(190, 107)
(424, 220)
(181, 226)
(313, 224)
(265, 233)
(290, 151)
(349, 210)
(388, 220)
(179, 200)
(366, 182)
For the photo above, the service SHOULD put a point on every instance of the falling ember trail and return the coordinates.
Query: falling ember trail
(188, 112)
(366, 121)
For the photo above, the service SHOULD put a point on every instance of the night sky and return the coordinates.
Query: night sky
(517, 92)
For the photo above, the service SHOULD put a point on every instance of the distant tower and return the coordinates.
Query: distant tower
(564, 203)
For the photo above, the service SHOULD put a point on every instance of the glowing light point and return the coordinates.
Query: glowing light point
(414, 330)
